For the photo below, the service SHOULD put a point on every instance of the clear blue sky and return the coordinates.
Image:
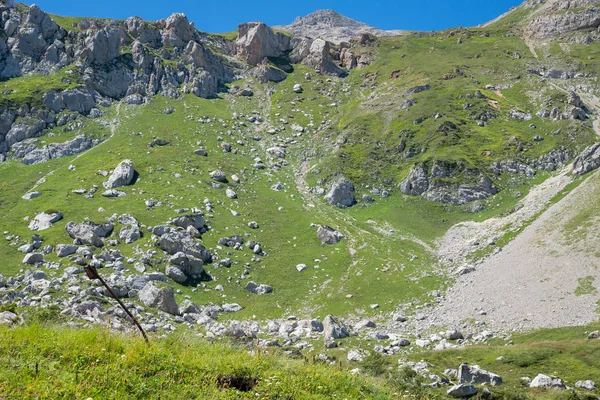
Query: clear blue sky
(224, 15)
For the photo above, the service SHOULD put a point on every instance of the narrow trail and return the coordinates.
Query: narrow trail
(113, 128)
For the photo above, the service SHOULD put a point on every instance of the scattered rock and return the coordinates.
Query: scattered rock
(328, 235)
(44, 220)
(256, 288)
(474, 374)
(341, 193)
(462, 391)
(545, 381)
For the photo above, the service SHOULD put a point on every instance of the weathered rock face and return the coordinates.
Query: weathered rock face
(436, 184)
(560, 16)
(159, 296)
(176, 30)
(89, 233)
(416, 183)
(588, 160)
(316, 55)
(257, 41)
(341, 193)
(57, 150)
(121, 176)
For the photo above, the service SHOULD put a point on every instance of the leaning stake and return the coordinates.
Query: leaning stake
(92, 273)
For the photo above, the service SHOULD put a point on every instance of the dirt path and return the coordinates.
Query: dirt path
(537, 280)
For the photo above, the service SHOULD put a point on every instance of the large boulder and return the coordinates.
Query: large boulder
(256, 41)
(89, 233)
(328, 235)
(462, 391)
(123, 175)
(341, 193)
(544, 381)
(333, 328)
(158, 295)
(195, 220)
(319, 57)
(257, 288)
(44, 220)
(474, 374)
(188, 264)
(181, 241)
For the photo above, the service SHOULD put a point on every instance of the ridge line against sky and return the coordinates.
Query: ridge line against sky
(225, 15)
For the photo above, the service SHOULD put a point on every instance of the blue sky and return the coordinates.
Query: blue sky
(224, 15)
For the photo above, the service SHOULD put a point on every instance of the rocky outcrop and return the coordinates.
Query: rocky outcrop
(316, 54)
(438, 183)
(588, 160)
(559, 17)
(256, 41)
(57, 150)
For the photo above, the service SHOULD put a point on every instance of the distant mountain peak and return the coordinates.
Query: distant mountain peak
(333, 26)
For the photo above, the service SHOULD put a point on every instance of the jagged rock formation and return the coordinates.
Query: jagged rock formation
(331, 26)
(557, 17)
(133, 60)
(436, 183)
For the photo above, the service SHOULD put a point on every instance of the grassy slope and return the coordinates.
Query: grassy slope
(386, 257)
(43, 361)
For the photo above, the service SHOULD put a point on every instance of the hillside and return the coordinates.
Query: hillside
(384, 195)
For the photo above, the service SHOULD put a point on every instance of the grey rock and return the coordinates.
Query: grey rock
(328, 235)
(417, 181)
(89, 233)
(463, 391)
(180, 241)
(588, 160)
(545, 381)
(33, 258)
(474, 374)
(233, 307)
(157, 295)
(113, 193)
(175, 273)
(334, 328)
(587, 385)
(63, 250)
(130, 233)
(31, 195)
(188, 264)
(341, 193)
(123, 175)
(79, 100)
(8, 318)
(218, 175)
(44, 221)
(195, 220)
(256, 288)
(256, 41)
